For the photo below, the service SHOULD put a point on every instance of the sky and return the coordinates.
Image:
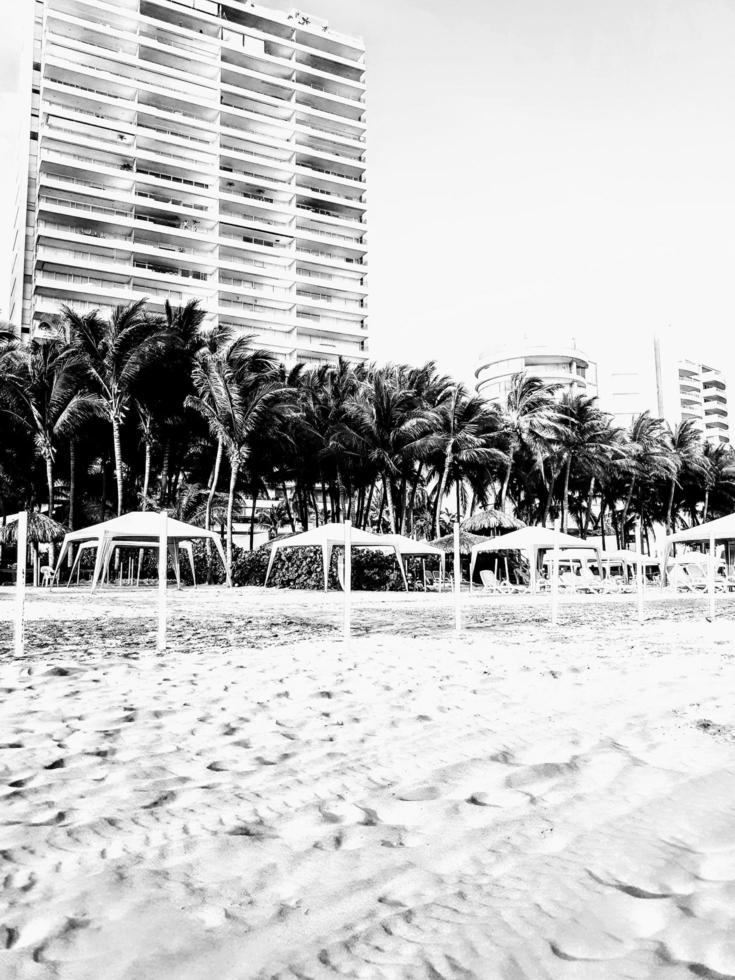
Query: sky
(558, 171)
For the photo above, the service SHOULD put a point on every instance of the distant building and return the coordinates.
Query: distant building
(669, 386)
(179, 149)
(566, 366)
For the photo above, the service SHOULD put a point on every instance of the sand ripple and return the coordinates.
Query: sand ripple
(507, 805)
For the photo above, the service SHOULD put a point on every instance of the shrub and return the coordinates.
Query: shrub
(301, 568)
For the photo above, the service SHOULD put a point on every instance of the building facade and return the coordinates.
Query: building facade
(671, 387)
(179, 149)
(565, 366)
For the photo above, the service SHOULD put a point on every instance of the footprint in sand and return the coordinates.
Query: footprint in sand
(418, 794)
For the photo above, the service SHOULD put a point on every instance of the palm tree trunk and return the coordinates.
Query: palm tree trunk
(549, 499)
(208, 508)
(118, 464)
(252, 519)
(164, 472)
(289, 512)
(146, 475)
(50, 483)
(670, 507)
(440, 494)
(602, 521)
(414, 488)
(72, 483)
(565, 495)
(103, 492)
(234, 470)
(624, 517)
(506, 480)
(458, 491)
(588, 511)
(380, 512)
(706, 506)
(324, 502)
(389, 498)
(368, 506)
(213, 488)
(316, 507)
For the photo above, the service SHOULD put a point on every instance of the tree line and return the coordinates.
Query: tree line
(137, 411)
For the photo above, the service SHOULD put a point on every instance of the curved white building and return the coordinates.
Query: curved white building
(558, 364)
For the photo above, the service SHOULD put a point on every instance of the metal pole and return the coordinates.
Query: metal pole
(162, 569)
(20, 582)
(711, 578)
(457, 581)
(639, 571)
(348, 578)
(555, 575)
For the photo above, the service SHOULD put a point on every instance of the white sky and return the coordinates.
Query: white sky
(563, 169)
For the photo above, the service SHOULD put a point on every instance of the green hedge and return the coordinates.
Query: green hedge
(301, 568)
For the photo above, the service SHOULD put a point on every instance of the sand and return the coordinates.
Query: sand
(266, 800)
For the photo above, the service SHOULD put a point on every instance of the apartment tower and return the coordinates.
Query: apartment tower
(560, 364)
(658, 379)
(178, 149)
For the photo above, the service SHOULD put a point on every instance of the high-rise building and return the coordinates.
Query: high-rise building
(671, 387)
(178, 149)
(558, 364)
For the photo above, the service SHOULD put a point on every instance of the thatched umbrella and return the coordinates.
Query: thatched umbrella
(41, 530)
(466, 542)
(491, 520)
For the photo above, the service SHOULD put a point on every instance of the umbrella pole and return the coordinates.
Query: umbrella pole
(555, 576)
(457, 581)
(348, 579)
(162, 572)
(20, 583)
(639, 572)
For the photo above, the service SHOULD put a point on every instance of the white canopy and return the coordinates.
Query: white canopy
(407, 546)
(138, 529)
(532, 541)
(326, 536)
(721, 529)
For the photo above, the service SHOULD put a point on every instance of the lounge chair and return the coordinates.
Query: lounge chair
(589, 583)
(491, 583)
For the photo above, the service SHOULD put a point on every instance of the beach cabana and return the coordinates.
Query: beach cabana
(532, 541)
(722, 530)
(625, 560)
(408, 548)
(326, 537)
(138, 529)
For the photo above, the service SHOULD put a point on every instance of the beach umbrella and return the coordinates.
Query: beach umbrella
(491, 520)
(466, 542)
(41, 530)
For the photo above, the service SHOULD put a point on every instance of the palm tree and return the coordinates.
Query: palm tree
(464, 429)
(530, 418)
(584, 438)
(382, 426)
(646, 457)
(238, 393)
(113, 353)
(719, 476)
(686, 454)
(43, 391)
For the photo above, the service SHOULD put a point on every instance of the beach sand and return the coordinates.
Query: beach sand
(265, 800)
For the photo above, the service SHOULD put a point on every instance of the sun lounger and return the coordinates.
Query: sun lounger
(491, 583)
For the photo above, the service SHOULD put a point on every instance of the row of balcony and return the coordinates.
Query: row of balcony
(151, 72)
(88, 80)
(226, 42)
